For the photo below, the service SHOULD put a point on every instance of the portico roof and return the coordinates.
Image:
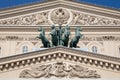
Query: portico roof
(60, 53)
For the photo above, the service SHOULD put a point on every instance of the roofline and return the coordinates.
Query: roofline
(101, 6)
(22, 5)
(38, 2)
(106, 57)
(60, 53)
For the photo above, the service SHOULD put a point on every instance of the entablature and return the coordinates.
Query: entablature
(60, 53)
(71, 13)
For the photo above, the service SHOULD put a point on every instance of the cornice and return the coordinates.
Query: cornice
(31, 28)
(47, 15)
(21, 36)
(60, 3)
(30, 58)
(92, 8)
(29, 9)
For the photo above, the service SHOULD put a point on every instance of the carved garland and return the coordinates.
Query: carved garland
(85, 19)
(33, 19)
(59, 69)
(57, 15)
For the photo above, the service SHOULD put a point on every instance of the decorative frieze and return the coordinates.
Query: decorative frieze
(11, 37)
(108, 38)
(61, 16)
(101, 38)
(87, 19)
(30, 19)
(59, 69)
(85, 38)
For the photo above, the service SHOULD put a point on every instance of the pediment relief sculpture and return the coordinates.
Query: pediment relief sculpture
(86, 19)
(30, 19)
(60, 70)
(60, 16)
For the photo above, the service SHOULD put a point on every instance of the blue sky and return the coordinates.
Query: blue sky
(11, 3)
(107, 3)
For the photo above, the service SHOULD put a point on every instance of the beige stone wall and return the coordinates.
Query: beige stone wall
(12, 46)
(18, 28)
(101, 26)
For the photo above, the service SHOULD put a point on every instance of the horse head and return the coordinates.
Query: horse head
(40, 29)
(66, 31)
(53, 27)
(53, 32)
(40, 36)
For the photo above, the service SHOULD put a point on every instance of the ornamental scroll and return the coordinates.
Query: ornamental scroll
(29, 19)
(59, 70)
(53, 17)
(87, 19)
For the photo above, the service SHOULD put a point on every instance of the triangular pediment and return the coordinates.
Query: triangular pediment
(60, 12)
(87, 63)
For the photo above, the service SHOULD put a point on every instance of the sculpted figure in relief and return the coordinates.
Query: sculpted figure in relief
(41, 18)
(59, 69)
(33, 19)
(60, 16)
(87, 19)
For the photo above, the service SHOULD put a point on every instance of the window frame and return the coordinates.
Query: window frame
(24, 49)
(94, 49)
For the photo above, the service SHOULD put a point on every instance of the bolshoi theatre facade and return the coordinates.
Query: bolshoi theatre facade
(97, 54)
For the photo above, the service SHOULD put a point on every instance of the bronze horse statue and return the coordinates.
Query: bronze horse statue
(54, 36)
(44, 40)
(66, 35)
(60, 37)
(75, 40)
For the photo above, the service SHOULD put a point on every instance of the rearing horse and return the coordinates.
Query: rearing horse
(54, 36)
(41, 36)
(66, 35)
(75, 40)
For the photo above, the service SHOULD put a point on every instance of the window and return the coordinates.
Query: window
(25, 49)
(94, 49)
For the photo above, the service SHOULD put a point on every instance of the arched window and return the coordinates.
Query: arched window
(94, 49)
(24, 49)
